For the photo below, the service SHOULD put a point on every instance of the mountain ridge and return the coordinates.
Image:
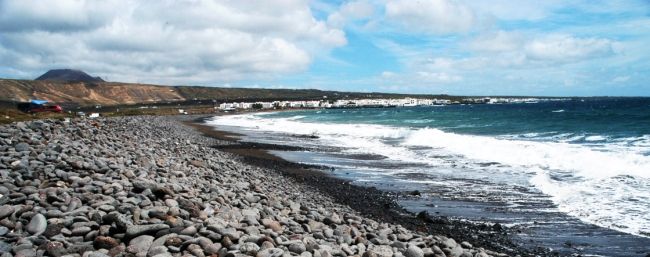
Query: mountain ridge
(68, 75)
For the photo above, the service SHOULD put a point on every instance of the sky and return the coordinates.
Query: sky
(458, 47)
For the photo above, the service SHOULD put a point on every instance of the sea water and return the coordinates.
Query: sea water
(586, 159)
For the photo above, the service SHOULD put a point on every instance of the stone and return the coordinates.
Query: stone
(369, 253)
(346, 250)
(4, 247)
(271, 252)
(171, 203)
(153, 251)
(448, 243)
(173, 241)
(196, 250)
(54, 214)
(53, 229)
(105, 242)
(140, 244)
(136, 230)
(322, 253)
(95, 254)
(55, 249)
(191, 230)
(481, 254)
(267, 245)
(80, 231)
(117, 250)
(272, 224)
(404, 236)
(197, 163)
(227, 242)
(454, 252)
(37, 225)
(232, 233)
(382, 250)
(80, 247)
(22, 147)
(249, 248)
(5, 211)
(251, 198)
(466, 253)
(22, 246)
(333, 219)
(399, 245)
(413, 251)
(122, 222)
(305, 254)
(160, 241)
(211, 249)
(437, 250)
(310, 243)
(26, 253)
(297, 248)
(163, 255)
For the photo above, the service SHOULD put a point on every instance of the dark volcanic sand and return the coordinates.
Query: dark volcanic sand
(369, 201)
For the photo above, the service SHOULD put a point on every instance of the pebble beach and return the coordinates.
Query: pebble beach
(154, 186)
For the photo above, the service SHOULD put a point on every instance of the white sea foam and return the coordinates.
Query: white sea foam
(575, 159)
(419, 121)
(297, 117)
(619, 202)
(595, 138)
(603, 186)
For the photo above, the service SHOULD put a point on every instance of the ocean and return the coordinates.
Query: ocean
(571, 175)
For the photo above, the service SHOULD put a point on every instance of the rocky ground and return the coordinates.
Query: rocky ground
(151, 186)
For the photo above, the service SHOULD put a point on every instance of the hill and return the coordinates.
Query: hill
(115, 93)
(84, 93)
(68, 75)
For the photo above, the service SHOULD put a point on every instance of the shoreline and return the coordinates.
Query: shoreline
(368, 201)
(536, 225)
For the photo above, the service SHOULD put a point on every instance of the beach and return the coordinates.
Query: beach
(159, 186)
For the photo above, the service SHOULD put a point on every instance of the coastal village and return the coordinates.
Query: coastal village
(374, 103)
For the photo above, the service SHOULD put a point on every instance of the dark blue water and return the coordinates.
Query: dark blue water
(615, 118)
(571, 175)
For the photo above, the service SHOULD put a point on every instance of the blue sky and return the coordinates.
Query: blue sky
(461, 47)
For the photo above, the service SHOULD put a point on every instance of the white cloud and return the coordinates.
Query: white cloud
(508, 49)
(621, 79)
(63, 15)
(431, 16)
(498, 41)
(350, 11)
(519, 10)
(164, 41)
(496, 57)
(437, 77)
(388, 74)
(565, 48)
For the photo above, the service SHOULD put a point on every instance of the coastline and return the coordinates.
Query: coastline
(540, 232)
(369, 201)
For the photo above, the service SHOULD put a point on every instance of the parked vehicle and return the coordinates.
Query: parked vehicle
(35, 106)
(50, 108)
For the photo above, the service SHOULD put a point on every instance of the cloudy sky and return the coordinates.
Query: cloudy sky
(465, 47)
